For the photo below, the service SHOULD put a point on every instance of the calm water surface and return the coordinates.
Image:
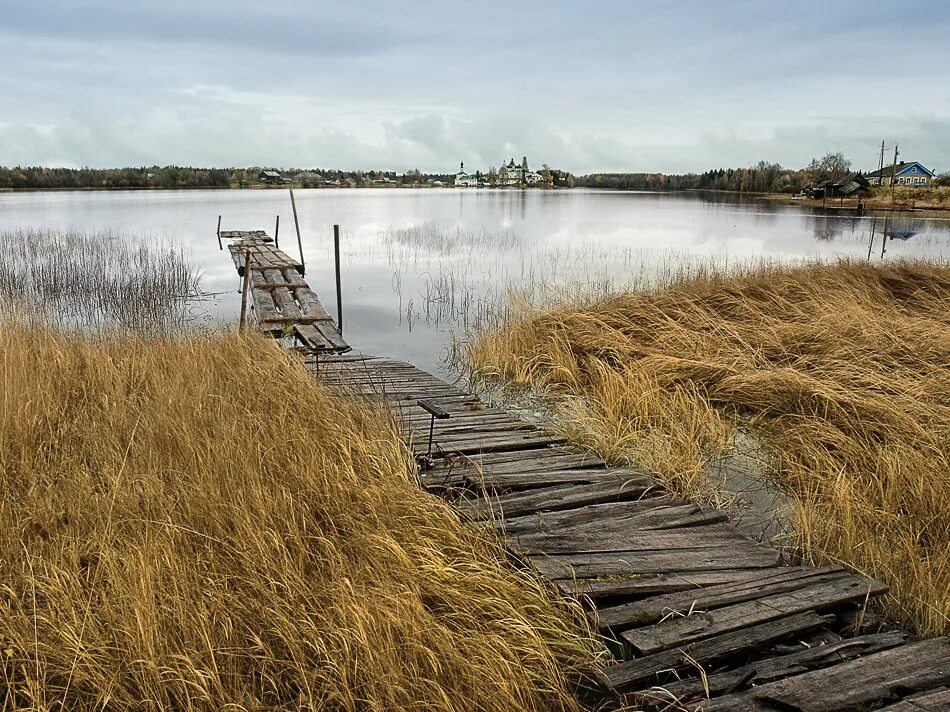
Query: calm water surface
(420, 264)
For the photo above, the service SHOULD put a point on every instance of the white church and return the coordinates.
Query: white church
(510, 174)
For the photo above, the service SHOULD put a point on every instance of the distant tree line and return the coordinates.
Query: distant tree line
(763, 177)
(41, 178)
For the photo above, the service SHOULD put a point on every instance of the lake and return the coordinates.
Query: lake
(418, 265)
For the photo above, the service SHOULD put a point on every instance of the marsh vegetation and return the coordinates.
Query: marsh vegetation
(194, 523)
(841, 371)
(95, 281)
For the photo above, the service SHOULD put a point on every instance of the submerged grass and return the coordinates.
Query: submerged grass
(95, 281)
(842, 371)
(198, 525)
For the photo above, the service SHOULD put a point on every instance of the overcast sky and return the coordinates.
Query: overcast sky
(585, 86)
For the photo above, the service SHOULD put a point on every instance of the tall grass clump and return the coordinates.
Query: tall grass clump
(95, 281)
(841, 371)
(199, 525)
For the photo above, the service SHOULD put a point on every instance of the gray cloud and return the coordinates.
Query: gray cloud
(614, 86)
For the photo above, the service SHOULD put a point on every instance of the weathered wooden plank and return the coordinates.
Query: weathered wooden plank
(309, 304)
(769, 669)
(613, 535)
(285, 302)
(655, 608)
(550, 499)
(626, 563)
(933, 701)
(826, 591)
(293, 278)
(660, 511)
(508, 441)
(330, 332)
(880, 677)
(264, 307)
(312, 339)
(642, 585)
(658, 668)
(527, 480)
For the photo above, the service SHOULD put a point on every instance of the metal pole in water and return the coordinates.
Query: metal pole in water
(220, 246)
(293, 203)
(247, 281)
(339, 290)
(277, 232)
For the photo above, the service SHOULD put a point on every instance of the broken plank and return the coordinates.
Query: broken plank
(876, 678)
(825, 591)
(769, 669)
(658, 668)
(655, 608)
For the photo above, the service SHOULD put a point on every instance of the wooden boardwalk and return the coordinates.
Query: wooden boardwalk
(699, 616)
(283, 302)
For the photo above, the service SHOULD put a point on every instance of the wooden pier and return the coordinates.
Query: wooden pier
(283, 302)
(697, 615)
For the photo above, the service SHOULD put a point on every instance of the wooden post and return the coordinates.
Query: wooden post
(276, 233)
(339, 290)
(871, 241)
(293, 203)
(220, 246)
(884, 237)
(244, 290)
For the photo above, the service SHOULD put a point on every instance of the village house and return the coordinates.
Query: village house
(270, 177)
(906, 173)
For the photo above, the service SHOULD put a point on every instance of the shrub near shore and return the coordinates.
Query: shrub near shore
(198, 525)
(842, 371)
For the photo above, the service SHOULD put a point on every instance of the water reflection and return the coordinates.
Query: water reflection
(418, 264)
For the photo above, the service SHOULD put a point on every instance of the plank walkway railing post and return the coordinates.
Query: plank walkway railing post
(339, 290)
(244, 290)
(276, 233)
(293, 204)
(220, 246)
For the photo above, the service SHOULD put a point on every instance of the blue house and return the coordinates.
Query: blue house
(906, 173)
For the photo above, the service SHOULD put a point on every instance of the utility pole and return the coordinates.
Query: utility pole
(894, 171)
(880, 165)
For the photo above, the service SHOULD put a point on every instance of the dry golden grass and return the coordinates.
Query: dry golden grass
(842, 371)
(197, 525)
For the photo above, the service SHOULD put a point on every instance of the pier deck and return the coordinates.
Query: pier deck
(283, 302)
(694, 611)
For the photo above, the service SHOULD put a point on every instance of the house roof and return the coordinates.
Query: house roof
(271, 174)
(902, 167)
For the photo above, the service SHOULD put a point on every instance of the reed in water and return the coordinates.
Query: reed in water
(93, 282)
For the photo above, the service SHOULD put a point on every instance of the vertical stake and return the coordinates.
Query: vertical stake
(276, 233)
(293, 203)
(884, 237)
(247, 281)
(339, 290)
(220, 246)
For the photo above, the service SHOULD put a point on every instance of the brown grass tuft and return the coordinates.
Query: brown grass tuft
(197, 525)
(842, 371)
